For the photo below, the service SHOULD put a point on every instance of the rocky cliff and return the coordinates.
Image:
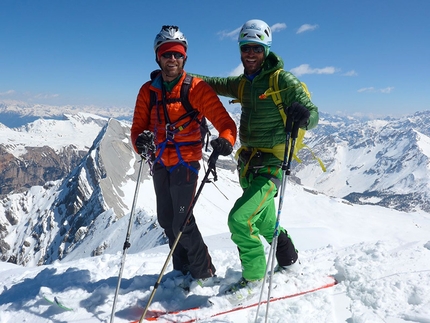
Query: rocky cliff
(35, 167)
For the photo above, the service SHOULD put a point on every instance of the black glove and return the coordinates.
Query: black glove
(222, 146)
(299, 114)
(145, 143)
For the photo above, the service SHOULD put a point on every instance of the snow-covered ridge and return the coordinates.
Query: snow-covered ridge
(385, 162)
(42, 110)
(78, 129)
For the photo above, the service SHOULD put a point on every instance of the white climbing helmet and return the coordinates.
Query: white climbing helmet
(170, 34)
(256, 31)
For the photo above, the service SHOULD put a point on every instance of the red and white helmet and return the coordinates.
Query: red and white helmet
(170, 34)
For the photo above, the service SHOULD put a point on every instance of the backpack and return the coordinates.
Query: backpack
(191, 112)
(274, 91)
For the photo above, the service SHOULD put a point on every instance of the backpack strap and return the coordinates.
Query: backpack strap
(276, 96)
(239, 92)
(172, 129)
(277, 99)
(204, 128)
(185, 88)
(275, 92)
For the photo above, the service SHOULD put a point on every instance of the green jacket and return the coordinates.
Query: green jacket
(261, 124)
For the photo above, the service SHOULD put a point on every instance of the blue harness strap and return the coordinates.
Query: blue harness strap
(181, 161)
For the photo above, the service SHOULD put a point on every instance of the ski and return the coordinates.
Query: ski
(155, 315)
(54, 300)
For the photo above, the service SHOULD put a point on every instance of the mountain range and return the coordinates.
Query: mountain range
(64, 175)
(381, 162)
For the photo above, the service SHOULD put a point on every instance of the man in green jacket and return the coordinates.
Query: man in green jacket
(262, 137)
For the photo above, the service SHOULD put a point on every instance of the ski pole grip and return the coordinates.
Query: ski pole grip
(295, 131)
(289, 124)
(213, 159)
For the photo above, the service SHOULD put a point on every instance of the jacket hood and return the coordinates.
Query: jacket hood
(272, 63)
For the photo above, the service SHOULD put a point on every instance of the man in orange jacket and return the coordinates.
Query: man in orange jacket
(179, 148)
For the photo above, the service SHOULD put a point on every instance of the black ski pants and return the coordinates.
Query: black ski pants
(175, 192)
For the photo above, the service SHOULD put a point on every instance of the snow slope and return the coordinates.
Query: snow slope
(380, 257)
(78, 129)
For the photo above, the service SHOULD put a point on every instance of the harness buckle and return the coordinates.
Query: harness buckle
(170, 132)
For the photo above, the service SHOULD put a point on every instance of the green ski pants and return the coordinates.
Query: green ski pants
(252, 215)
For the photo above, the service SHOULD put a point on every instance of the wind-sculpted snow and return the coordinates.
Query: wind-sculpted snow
(379, 256)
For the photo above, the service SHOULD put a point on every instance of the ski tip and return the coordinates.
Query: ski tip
(53, 300)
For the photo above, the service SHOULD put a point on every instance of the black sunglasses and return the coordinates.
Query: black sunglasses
(256, 49)
(175, 55)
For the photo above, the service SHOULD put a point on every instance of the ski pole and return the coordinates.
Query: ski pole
(211, 169)
(287, 170)
(127, 238)
(291, 133)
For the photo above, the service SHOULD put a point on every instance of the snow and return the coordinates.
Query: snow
(380, 257)
(424, 143)
(81, 129)
(387, 159)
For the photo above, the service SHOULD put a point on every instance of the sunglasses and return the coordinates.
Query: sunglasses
(176, 55)
(256, 49)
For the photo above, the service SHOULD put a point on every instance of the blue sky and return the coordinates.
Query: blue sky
(357, 57)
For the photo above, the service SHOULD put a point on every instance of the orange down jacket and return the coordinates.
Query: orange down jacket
(202, 98)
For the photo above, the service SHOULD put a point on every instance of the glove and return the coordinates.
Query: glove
(145, 143)
(222, 146)
(299, 114)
